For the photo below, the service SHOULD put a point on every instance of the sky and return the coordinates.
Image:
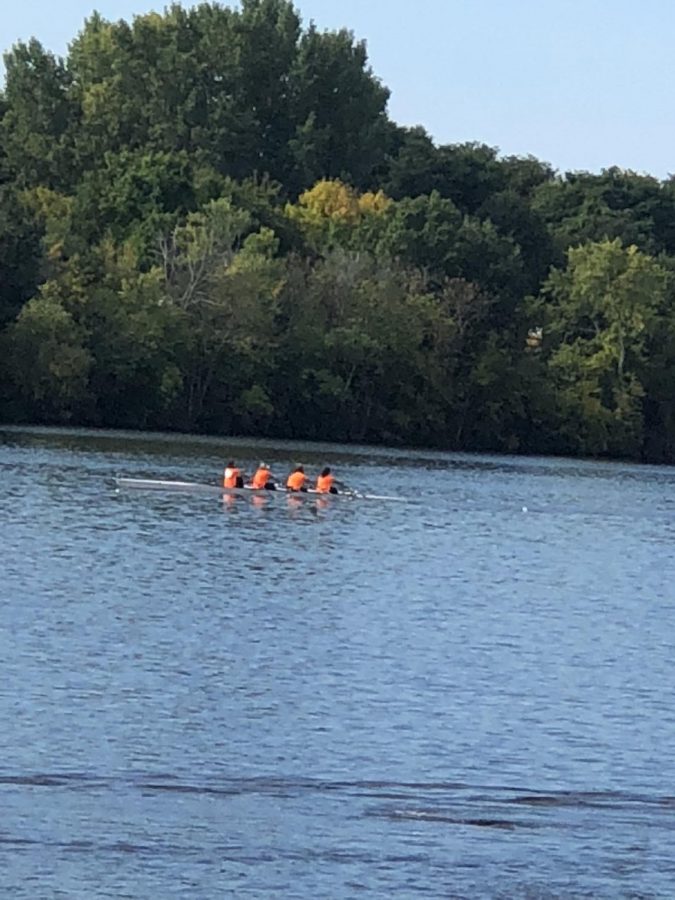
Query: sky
(580, 84)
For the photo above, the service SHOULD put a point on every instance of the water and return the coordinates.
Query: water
(451, 697)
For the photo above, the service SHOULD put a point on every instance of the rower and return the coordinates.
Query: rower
(325, 483)
(263, 478)
(233, 476)
(297, 480)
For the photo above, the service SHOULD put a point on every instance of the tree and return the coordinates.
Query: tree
(20, 254)
(47, 362)
(224, 289)
(36, 129)
(339, 108)
(134, 340)
(514, 218)
(334, 214)
(467, 174)
(268, 32)
(430, 233)
(585, 208)
(598, 315)
(363, 351)
(134, 196)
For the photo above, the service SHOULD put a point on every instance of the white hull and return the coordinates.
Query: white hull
(195, 487)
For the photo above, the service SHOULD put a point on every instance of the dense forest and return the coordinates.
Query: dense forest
(208, 222)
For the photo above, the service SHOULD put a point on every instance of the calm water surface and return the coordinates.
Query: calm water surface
(450, 697)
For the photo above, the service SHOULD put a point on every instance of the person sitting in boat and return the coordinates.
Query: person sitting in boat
(233, 477)
(297, 480)
(263, 478)
(325, 483)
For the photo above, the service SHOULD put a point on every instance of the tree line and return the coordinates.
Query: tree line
(208, 222)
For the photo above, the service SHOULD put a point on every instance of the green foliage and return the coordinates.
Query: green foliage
(339, 108)
(246, 92)
(208, 221)
(363, 350)
(39, 118)
(615, 204)
(467, 174)
(134, 196)
(223, 289)
(599, 313)
(47, 362)
(20, 255)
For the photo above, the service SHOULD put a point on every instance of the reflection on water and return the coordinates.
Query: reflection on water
(265, 696)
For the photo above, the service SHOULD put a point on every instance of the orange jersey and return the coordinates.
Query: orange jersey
(296, 481)
(231, 476)
(324, 483)
(260, 479)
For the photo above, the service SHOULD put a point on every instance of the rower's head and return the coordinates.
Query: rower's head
(325, 472)
(264, 466)
(230, 464)
(300, 469)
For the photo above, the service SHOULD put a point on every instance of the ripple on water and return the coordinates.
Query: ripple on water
(446, 698)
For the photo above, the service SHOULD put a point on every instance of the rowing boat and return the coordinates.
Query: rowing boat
(196, 487)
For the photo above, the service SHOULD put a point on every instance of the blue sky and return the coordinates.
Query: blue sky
(582, 84)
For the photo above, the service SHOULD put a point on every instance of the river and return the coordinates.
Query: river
(468, 694)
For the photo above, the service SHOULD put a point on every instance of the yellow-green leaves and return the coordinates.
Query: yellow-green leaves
(600, 313)
(331, 211)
